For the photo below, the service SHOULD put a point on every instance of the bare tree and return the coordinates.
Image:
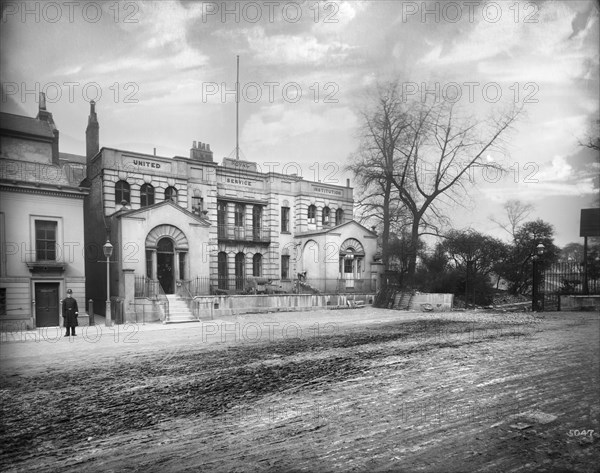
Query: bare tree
(592, 141)
(423, 155)
(373, 165)
(439, 159)
(516, 213)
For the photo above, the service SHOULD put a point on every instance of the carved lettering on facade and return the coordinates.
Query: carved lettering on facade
(147, 164)
(240, 182)
(327, 191)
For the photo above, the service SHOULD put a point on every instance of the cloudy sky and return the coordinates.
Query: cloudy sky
(163, 73)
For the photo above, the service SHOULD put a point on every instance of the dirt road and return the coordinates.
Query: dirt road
(353, 390)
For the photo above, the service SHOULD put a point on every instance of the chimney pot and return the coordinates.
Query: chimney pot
(207, 147)
(194, 145)
(347, 182)
(154, 151)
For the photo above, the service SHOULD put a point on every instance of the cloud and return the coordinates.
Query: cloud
(540, 49)
(303, 49)
(541, 190)
(559, 170)
(277, 123)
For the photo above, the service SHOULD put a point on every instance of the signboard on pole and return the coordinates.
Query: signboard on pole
(589, 223)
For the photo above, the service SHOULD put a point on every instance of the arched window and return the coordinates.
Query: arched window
(171, 194)
(325, 216)
(222, 219)
(312, 214)
(222, 270)
(122, 193)
(257, 265)
(339, 216)
(256, 222)
(240, 270)
(146, 195)
(240, 210)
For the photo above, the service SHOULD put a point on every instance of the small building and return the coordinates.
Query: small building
(41, 222)
(187, 225)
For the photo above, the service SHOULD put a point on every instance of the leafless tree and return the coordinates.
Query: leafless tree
(384, 126)
(424, 154)
(516, 213)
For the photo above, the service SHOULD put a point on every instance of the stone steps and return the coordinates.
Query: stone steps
(179, 312)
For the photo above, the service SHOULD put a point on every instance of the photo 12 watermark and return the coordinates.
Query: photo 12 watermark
(270, 91)
(471, 91)
(254, 332)
(469, 11)
(70, 91)
(18, 332)
(271, 12)
(70, 12)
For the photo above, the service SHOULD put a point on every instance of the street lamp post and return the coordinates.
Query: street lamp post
(539, 251)
(108, 249)
(469, 272)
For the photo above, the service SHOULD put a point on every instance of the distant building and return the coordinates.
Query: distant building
(41, 222)
(187, 222)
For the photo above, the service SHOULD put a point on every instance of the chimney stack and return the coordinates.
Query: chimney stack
(201, 152)
(46, 116)
(92, 134)
(347, 182)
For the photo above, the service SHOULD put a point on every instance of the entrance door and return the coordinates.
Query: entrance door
(46, 304)
(165, 259)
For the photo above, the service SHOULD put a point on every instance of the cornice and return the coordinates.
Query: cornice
(32, 188)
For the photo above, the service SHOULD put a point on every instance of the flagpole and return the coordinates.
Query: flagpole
(237, 111)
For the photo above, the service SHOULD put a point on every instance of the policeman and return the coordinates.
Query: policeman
(70, 312)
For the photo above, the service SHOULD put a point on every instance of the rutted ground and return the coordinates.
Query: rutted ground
(437, 393)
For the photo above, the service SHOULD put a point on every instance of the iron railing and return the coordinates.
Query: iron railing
(151, 288)
(146, 287)
(199, 286)
(251, 285)
(253, 233)
(570, 278)
(162, 299)
(202, 286)
(184, 293)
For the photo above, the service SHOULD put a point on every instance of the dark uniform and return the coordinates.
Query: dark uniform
(70, 312)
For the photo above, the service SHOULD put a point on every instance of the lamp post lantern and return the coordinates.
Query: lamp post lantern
(108, 249)
(539, 251)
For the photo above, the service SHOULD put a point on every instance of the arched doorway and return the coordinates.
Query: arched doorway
(351, 259)
(165, 262)
(167, 256)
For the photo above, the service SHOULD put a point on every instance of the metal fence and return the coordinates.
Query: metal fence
(146, 287)
(252, 233)
(201, 286)
(570, 278)
(258, 285)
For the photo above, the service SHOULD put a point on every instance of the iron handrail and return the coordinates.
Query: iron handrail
(162, 297)
(185, 294)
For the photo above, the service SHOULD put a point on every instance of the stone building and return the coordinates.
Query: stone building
(41, 222)
(187, 225)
